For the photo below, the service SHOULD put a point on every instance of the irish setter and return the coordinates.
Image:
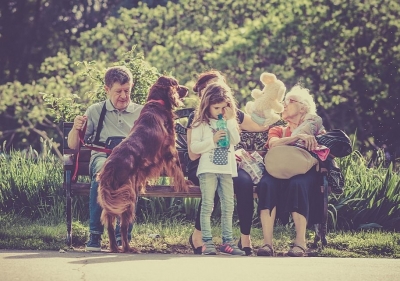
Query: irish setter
(148, 151)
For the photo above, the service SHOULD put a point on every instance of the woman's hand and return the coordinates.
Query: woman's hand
(229, 112)
(248, 124)
(309, 141)
(219, 135)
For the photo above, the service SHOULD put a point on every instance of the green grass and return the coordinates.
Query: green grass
(364, 221)
(20, 233)
(32, 184)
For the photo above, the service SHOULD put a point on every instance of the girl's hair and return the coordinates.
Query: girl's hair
(303, 95)
(214, 93)
(205, 78)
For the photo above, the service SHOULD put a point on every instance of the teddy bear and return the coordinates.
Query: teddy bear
(268, 102)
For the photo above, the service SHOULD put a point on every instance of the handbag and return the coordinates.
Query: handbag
(286, 161)
(252, 163)
(112, 142)
(334, 176)
(337, 141)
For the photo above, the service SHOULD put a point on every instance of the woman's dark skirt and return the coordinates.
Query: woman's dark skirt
(301, 194)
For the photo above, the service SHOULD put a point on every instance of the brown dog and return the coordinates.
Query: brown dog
(148, 150)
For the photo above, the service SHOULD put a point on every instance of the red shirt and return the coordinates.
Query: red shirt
(277, 132)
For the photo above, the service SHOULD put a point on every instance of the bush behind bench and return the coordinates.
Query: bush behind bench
(31, 185)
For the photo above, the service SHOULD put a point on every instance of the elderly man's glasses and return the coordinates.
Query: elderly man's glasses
(287, 101)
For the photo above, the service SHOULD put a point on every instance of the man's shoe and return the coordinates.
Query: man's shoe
(94, 244)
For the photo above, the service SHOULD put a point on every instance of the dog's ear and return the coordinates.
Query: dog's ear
(168, 89)
(166, 82)
(163, 84)
(176, 94)
(183, 91)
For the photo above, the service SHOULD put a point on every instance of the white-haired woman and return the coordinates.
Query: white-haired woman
(280, 197)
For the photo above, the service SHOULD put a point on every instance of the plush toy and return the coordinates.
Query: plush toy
(268, 102)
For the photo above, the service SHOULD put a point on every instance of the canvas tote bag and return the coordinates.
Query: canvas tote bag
(286, 161)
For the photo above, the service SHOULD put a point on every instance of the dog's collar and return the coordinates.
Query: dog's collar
(159, 101)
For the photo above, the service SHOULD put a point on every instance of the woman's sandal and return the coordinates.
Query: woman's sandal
(247, 250)
(301, 252)
(266, 251)
(196, 251)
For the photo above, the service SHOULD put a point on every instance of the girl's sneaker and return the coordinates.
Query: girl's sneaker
(209, 248)
(231, 249)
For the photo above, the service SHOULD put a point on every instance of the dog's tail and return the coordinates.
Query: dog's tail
(113, 199)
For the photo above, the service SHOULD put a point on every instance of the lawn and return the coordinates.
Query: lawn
(21, 233)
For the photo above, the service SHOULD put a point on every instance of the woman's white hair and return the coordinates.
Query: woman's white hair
(303, 96)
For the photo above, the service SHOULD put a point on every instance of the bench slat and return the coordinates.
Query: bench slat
(80, 188)
(151, 191)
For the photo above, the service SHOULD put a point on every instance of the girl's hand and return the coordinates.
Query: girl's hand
(309, 141)
(228, 113)
(219, 135)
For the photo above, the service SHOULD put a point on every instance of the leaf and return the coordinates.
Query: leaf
(369, 226)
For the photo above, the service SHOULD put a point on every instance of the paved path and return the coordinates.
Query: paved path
(70, 266)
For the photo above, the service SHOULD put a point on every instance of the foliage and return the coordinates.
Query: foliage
(348, 52)
(29, 110)
(31, 31)
(371, 198)
(25, 117)
(21, 233)
(80, 233)
(65, 108)
(29, 182)
(345, 52)
(362, 244)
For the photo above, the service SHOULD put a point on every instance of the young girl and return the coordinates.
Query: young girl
(217, 165)
(242, 184)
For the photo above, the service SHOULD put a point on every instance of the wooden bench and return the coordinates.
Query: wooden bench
(249, 141)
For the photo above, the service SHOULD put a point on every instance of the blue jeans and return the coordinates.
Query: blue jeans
(95, 226)
(223, 184)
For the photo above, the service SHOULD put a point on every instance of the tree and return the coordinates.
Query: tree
(33, 30)
(346, 53)
(31, 111)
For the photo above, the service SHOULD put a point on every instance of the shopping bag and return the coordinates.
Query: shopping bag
(252, 163)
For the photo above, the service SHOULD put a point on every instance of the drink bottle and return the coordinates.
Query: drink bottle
(221, 125)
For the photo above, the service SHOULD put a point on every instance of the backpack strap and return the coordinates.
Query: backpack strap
(100, 127)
